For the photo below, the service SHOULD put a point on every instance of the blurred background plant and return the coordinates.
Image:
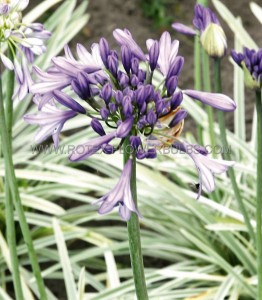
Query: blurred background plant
(193, 249)
(157, 11)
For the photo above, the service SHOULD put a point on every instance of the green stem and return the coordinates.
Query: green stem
(198, 81)
(259, 193)
(9, 209)
(227, 155)
(203, 2)
(12, 182)
(133, 228)
(207, 88)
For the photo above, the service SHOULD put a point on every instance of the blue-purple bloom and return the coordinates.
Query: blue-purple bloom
(207, 25)
(120, 196)
(51, 121)
(27, 38)
(251, 63)
(218, 101)
(125, 103)
(205, 165)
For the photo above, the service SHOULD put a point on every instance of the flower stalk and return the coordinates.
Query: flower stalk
(133, 228)
(198, 79)
(207, 88)
(259, 192)
(14, 194)
(226, 154)
(9, 208)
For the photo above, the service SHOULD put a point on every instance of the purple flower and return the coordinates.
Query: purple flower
(68, 102)
(50, 81)
(212, 36)
(4, 9)
(124, 37)
(97, 127)
(205, 166)
(104, 50)
(126, 57)
(181, 28)
(68, 71)
(180, 116)
(106, 92)
(251, 62)
(125, 127)
(91, 147)
(218, 101)
(27, 38)
(86, 150)
(51, 121)
(176, 100)
(153, 55)
(167, 51)
(120, 196)
(141, 112)
(23, 78)
(204, 16)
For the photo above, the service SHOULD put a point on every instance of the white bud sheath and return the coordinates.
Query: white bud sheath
(213, 40)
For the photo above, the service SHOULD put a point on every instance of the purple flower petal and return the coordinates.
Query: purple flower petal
(165, 50)
(125, 38)
(124, 128)
(218, 101)
(7, 62)
(179, 116)
(120, 196)
(181, 28)
(91, 147)
(97, 127)
(206, 166)
(68, 102)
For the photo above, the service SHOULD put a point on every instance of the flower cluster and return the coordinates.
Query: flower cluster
(24, 39)
(251, 63)
(118, 91)
(212, 36)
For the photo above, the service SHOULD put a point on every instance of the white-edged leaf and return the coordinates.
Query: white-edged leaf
(256, 10)
(81, 285)
(65, 262)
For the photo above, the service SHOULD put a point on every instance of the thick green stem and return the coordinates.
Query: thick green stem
(227, 155)
(259, 193)
(207, 88)
(203, 2)
(198, 81)
(12, 182)
(9, 209)
(133, 228)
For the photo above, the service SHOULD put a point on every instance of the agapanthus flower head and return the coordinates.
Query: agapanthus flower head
(206, 23)
(126, 105)
(24, 40)
(251, 63)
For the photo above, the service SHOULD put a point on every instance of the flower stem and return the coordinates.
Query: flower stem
(198, 81)
(12, 182)
(226, 153)
(133, 228)
(9, 209)
(203, 2)
(259, 193)
(207, 88)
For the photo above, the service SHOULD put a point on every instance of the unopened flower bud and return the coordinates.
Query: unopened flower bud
(213, 40)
